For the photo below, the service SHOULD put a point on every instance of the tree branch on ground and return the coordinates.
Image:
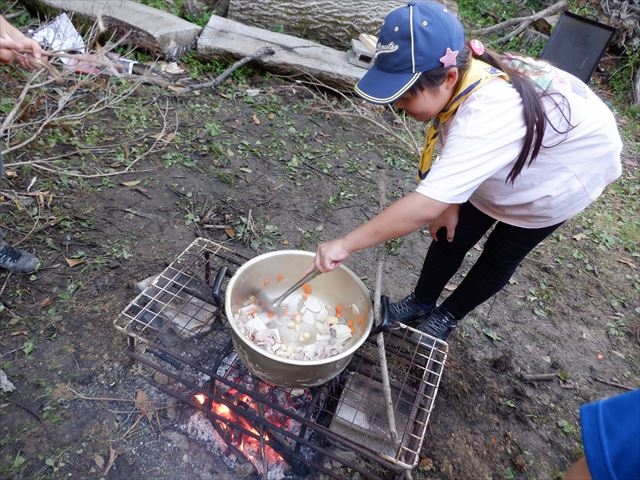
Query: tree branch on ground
(521, 22)
(224, 75)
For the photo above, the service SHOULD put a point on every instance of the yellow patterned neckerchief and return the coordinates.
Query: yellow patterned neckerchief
(475, 77)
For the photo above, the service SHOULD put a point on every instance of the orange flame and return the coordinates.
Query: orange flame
(246, 443)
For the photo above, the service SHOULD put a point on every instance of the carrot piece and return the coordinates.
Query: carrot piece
(339, 311)
(306, 288)
(279, 277)
(350, 323)
(266, 282)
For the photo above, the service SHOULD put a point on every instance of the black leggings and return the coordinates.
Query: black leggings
(503, 251)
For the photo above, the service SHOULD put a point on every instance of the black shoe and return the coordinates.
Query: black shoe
(408, 311)
(439, 324)
(16, 260)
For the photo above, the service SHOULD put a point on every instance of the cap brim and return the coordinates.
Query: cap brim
(382, 87)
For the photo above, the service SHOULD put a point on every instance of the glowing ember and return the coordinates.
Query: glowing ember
(254, 447)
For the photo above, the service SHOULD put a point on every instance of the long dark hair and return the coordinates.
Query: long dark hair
(535, 117)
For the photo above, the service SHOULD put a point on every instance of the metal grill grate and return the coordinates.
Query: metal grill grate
(174, 327)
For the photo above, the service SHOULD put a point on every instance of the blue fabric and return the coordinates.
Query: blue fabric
(611, 437)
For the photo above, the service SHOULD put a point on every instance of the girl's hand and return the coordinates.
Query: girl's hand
(16, 47)
(25, 51)
(448, 220)
(330, 255)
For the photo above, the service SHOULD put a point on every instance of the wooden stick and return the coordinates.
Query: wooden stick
(612, 384)
(536, 377)
(223, 76)
(382, 356)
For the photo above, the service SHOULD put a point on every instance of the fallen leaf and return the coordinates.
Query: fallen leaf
(255, 119)
(246, 170)
(142, 403)
(45, 302)
(579, 236)
(131, 183)
(230, 232)
(492, 335)
(73, 262)
(167, 137)
(99, 460)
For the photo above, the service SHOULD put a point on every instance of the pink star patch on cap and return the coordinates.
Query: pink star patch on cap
(449, 58)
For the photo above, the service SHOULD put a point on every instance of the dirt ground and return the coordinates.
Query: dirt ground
(257, 166)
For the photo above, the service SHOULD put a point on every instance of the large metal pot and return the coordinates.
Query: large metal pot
(338, 287)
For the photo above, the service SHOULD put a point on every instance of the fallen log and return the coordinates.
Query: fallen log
(332, 23)
(140, 26)
(292, 56)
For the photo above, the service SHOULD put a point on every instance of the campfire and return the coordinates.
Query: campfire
(252, 430)
(336, 430)
(236, 431)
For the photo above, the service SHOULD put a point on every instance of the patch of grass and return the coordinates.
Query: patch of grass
(309, 239)
(179, 9)
(266, 105)
(173, 7)
(12, 465)
(567, 428)
(260, 235)
(119, 249)
(393, 246)
(346, 192)
(227, 177)
(67, 295)
(173, 159)
(198, 66)
(133, 114)
(541, 297)
(620, 82)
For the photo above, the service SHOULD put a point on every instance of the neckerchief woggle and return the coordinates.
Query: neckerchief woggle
(478, 74)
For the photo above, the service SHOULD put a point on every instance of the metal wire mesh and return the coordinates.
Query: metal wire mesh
(175, 327)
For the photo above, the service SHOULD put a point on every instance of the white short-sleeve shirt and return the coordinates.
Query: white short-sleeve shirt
(480, 144)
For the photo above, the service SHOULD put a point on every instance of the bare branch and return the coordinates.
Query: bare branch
(224, 75)
(522, 22)
(401, 129)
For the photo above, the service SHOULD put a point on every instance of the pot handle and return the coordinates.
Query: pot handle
(386, 324)
(218, 297)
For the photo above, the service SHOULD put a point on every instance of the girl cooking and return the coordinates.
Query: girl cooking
(523, 147)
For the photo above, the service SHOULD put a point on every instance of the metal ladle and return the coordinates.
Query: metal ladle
(275, 304)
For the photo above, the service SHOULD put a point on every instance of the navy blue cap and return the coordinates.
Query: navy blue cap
(414, 38)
